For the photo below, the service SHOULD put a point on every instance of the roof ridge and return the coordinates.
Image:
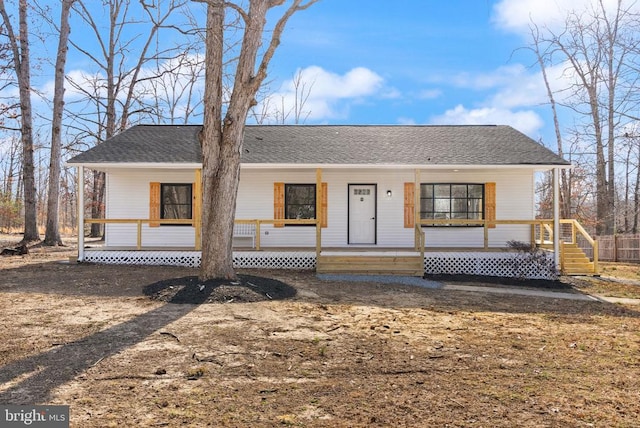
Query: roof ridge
(355, 125)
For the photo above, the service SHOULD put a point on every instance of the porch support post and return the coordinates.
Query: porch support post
(556, 217)
(197, 208)
(80, 202)
(416, 211)
(319, 213)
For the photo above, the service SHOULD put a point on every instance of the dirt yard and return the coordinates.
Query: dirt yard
(115, 344)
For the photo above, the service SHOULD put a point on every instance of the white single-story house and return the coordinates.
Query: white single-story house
(426, 199)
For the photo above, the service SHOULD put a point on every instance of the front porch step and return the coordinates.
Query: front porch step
(408, 265)
(575, 262)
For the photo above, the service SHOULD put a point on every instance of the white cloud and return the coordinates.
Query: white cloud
(323, 94)
(500, 77)
(357, 82)
(527, 121)
(169, 79)
(517, 15)
(526, 89)
(516, 86)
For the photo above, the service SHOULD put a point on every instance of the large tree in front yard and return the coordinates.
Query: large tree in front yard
(223, 130)
(20, 60)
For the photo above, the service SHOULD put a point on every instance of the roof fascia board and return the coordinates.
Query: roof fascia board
(542, 167)
(257, 166)
(135, 165)
(127, 165)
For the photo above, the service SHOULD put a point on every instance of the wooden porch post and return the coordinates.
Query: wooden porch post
(197, 208)
(80, 207)
(416, 210)
(319, 214)
(556, 217)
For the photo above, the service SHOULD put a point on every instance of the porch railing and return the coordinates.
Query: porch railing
(541, 232)
(139, 222)
(258, 222)
(191, 222)
(541, 229)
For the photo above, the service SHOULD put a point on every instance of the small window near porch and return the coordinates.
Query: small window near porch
(176, 201)
(300, 201)
(451, 201)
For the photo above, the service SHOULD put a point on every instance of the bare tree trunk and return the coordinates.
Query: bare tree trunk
(565, 190)
(97, 202)
(636, 195)
(20, 49)
(626, 191)
(604, 224)
(222, 142)
(610, 42)
(217, 218)
(52, 232)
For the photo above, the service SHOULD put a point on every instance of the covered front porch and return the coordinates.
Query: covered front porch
(417, 261)
(482, 254)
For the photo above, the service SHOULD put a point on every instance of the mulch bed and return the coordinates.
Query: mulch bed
(247, 288)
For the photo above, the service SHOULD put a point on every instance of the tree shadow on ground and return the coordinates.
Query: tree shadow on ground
(33, 378)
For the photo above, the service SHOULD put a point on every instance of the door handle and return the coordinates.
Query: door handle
(373, 218)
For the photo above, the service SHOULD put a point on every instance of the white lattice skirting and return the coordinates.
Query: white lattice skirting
(503, 264)
(506, 264)
(241, 259)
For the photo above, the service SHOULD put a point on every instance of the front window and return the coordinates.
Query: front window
(176, 201)
(451, 201)
(300, 201)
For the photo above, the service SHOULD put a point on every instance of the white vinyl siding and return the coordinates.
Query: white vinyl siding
(128, 197)
(514, 200)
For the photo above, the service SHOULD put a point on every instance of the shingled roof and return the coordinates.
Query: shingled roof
(331, 145)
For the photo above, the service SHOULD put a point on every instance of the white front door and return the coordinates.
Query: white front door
(362, 213)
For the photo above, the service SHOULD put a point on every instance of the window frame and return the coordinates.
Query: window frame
(314, 204)
(162, 203)
(451, 213)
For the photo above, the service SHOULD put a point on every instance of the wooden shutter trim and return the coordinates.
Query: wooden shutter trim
(490, 203)
(154, 204)
(409, 204)
(278, 204)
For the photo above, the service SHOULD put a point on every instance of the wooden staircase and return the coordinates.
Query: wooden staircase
(371, 264)
(575, 262)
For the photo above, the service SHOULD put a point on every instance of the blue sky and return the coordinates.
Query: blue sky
(415, 62)
(402, 62)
